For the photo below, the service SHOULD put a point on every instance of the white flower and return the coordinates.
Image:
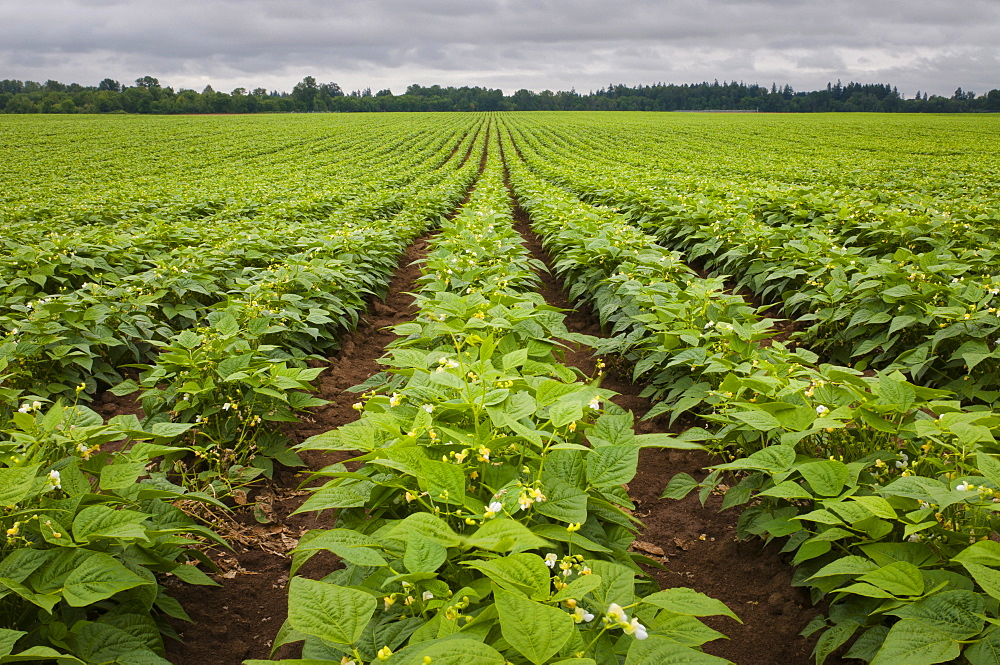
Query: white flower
(395, 399)
(227, 406)
(25, 408)
(550, 559)
(54, 479)
(581, 615)
(636, 629)
(914, 538)
(524, 502)
(429, 408)
(595, 403)
(427, 595)
(961, 487)
(822, 410)
(493, 509)
(616, 613)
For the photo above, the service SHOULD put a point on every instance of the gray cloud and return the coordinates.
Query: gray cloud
(556, 44)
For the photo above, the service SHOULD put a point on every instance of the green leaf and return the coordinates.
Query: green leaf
(612, 465)
(423, 555)
(578, 588)
(955, 613)
(760, 420)
(989, 466)
(773, 459)
(505, 535)
(679, 487)
(126, 387)
(846, 565)
(911, 642)
(877, 506)
(566, 410)
(987, 578)
(8, 638)
(41, 654)
(351, 546)
(684, 629)
(121, 475)
(103, 522)
(15, 483)
(427, 526)
(825, 477)
(165, 430)
(984, 552)
(328, 611)
(690, 602)
(443, 481)
(536, 631)
(899, 578)
(563, 502)
(617, 583)
(868, 644)
(345, 495)
(457, 652)
(99, 576)
(656, 650)
(986, 651)
(227, 325)
(526, 573)
(788, 489)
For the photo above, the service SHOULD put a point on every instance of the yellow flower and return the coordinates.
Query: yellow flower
(384, 653)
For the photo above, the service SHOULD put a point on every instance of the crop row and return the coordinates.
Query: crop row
(932, 314)
(128, 168)
(883, 489)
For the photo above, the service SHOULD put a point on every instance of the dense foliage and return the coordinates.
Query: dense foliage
(487, 519)
(147, 96)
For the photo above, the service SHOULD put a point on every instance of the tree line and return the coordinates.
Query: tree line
(309, 95)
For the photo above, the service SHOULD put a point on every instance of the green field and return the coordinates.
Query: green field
(814, 300)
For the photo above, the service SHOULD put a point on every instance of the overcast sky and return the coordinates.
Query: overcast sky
(930, 45)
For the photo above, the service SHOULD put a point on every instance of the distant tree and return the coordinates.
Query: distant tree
(385, 92)
(147, 82)
(331, 90)
(11, 86)
(110, 84)
(305, 92)
(993, 100)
